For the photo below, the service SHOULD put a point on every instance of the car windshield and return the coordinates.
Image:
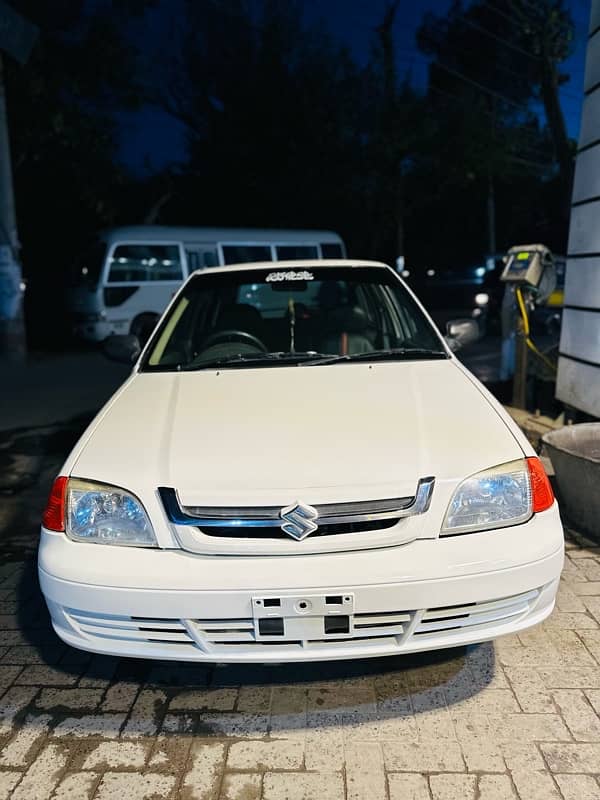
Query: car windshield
(276, 316)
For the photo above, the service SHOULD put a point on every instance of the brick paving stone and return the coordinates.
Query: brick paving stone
(535, 785)
(38, 675)
(571, 620)
(303, 786)
(204, 777)
(591, 640)
(408, 786)
(99, 672)
(120, 697)
(29, 654)
(115, 786)
(431, 715)
(324, 749)
(593, 695)
(70, 699)
(585, 588)
(146, 714)
(482, 755)
(12, 702)
(567, 599)
(572, 757)
(262, 756)
(590, 567)
(8, 675)
(579, 715)
(570, 677)
(117, 754)
(578, 787)
(76, 786)
(204, 700)
(522, 756)
(241, 786)
(238, 725)
(8, 781)
(254, 699)
(423, 757)
(107, 725)
(530, 690)
(42, 776)
(453, 787)
(178, 723)
(365, 774)
(495, 787)
(15, 753)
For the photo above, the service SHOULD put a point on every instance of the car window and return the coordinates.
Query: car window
(145, 262)
(267, 311)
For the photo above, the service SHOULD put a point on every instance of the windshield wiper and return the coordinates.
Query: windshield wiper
(391, 354)
(281, 357)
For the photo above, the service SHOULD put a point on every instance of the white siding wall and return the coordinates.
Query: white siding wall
(578, 382)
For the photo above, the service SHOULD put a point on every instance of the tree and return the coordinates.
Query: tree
(64, 138)
(483, 99)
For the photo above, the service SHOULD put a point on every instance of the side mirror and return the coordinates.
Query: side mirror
(122, 348)
(461, 332)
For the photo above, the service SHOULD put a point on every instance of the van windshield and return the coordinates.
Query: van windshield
(279, 315)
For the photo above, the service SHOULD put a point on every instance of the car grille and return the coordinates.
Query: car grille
(384, 631)
(170, 632)
(265, 522)
(451, 618)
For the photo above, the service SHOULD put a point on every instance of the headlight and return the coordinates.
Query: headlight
(482, 299)
(491, 499)
(106, 515)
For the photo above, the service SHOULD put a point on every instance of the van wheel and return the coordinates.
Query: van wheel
(142, 326)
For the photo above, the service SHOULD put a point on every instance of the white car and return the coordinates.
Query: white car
(298, 468)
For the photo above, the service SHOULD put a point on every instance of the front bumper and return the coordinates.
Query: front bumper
(425, 595)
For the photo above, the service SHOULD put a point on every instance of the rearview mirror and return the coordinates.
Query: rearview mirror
(122, 348)
(461, 332)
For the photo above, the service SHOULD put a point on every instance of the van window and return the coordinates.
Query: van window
(145, 262)
(292, 252)
(332, 251)
(243, 253)
(199, 257)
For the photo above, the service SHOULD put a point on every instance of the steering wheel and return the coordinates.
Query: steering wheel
(227, 336)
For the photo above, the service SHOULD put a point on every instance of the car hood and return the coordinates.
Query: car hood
(261, 436)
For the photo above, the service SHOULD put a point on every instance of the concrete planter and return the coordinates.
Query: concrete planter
(575, 454)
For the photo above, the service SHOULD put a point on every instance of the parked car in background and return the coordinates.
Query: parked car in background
(125, 280)
(298, 468)
(473, 291)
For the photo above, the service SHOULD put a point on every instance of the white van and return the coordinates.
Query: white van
(126, 279)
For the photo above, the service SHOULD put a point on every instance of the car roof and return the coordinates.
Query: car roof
(282, 266)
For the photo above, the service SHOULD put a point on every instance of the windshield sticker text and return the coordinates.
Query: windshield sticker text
(302, 275)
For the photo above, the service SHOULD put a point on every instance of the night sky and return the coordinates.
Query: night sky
(151, 140)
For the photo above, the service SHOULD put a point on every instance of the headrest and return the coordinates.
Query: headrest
(349, 319)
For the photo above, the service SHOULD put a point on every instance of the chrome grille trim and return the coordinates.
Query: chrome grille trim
(269, 516)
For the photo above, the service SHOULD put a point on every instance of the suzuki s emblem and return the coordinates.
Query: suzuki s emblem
(298, 520)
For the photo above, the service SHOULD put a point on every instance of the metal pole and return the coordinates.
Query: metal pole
(12, 328)
(520, 379)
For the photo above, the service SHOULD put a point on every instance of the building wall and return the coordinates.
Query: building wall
(578, 381)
